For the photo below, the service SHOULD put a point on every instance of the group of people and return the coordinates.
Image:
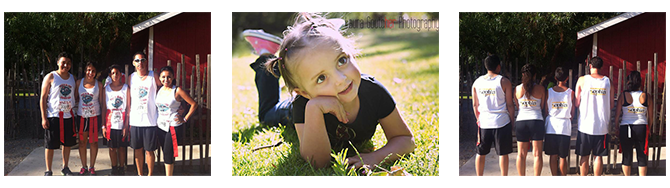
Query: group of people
(544, 119)
(142, 113)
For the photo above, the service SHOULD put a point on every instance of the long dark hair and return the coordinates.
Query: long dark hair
(527, 73)
(633, 81)
(171, 71)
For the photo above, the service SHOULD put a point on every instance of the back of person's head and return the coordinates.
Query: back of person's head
(596, 62)
(491, 62)
(559, 75)
(308, 31)
(633, 81)
(527, 74)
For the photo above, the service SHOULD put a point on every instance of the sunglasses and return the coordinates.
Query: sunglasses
(139, 60)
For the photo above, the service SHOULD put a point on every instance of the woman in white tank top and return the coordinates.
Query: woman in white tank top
(633, 130)
(168, 101)
(529, 123)
(89, 93)
(116, 128)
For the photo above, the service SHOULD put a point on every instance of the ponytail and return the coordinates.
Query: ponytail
(527, 73)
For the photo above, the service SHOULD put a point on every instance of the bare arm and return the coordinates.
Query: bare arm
(44, 99)
(400, 142)
(313, 137)
(509, 98)
(618, 111)
(578, 91)
(103, 102)
(183, 95)
(475, 103)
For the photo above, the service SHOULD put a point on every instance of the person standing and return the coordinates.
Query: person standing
(142, 114)
(90, 92)
(594, 100)
(56, 102)
(560, 110)
(492, 96)
(633, 130)
(529, 128)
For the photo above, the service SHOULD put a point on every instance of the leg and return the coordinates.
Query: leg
(480, 161)
(553, 165)
(66, 156)
(113, 156)
(48, 157)
(169, 168)
(598, 166)
(537, 155)
(626, 170)
(94, 153)
(504, 164)
(522, 147)
(267, 86)
(83, 141)
(563, 163)
(139, 161)
(584, 165)
(151, 159)
(122, 156)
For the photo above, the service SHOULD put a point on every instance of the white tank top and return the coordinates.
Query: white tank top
(61, 96)
(492, 107)
(116, 105)
(635, 113)
(529, 109)
(559, 105)
(167, 108)
(89, 104)
(143, 103)
(594, 108)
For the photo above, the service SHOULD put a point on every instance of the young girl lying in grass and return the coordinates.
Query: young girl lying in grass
(336, 104)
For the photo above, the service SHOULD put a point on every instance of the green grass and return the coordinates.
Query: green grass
(405, 61)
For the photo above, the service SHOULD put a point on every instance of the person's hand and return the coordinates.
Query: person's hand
(368, 160)
(104, 132)
(178, 119)
(330, 105)
(45, 123)
(125, 133)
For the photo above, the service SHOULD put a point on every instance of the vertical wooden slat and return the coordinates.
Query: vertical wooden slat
(169, 63)
(178, 73)
(661, 123)
(198, 91)
(209, 110)
(192, 125)
(624, 75)
(638, 66)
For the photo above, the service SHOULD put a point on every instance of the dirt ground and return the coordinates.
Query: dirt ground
(17, 150)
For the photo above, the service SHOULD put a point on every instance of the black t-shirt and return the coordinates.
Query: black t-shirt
(376, 103)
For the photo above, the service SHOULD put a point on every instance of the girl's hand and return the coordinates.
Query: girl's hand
(124, 131)
(179, 120)
(368, 158)
(45, 123)
(104, 132)
(330, 105)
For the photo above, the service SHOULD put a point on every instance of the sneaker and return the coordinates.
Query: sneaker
(262, 42)
(48, 173)
(122, 170)
(66, 172)
(115, 171)
(91, 171)
(82, 171)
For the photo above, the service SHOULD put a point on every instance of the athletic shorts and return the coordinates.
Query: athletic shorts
(116, 139)
(586, 144)
(52, 134)
(144, 137)
(557, 144)
(638, 138)
(501, 137)
(527, 130)
(168, 144)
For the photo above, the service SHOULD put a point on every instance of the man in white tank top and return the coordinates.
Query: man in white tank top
(594, 99)
(492, 97)
(56, 102)
(142, 114)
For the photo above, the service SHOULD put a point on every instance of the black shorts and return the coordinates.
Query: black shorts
(639, 139)
(557, 144)
(144, 137)
(52, 134)
(528, 130)
(116, 139)
(587, 143)
(166, 142)
(501, 137)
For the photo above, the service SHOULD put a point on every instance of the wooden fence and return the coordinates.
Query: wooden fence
(657, 125)
(22, 109)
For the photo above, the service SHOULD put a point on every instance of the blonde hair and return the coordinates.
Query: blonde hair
(307, 28)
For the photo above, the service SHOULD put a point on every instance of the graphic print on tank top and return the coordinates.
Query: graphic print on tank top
(560, 105)
(597, 91)
(65, 103)
(143, 93)
(117, 113)
(87, 105)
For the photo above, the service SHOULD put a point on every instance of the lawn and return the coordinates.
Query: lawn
(405, 61)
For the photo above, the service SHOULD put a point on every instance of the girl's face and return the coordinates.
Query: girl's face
(325, 71)
(90, 72)
(64, 64)
(115, 74)
(166, 78)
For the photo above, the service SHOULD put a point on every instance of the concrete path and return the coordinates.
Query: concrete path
(34, 164)
(491, 167)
